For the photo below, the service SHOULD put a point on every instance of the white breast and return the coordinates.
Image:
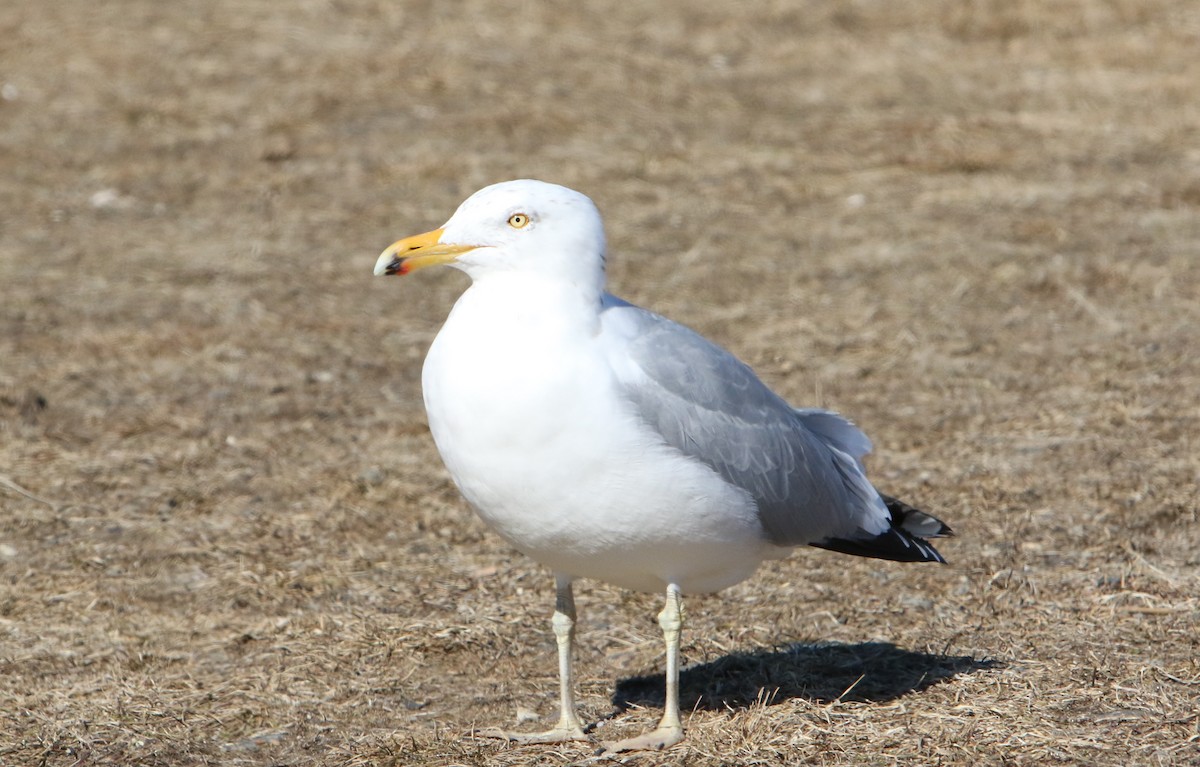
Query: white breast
(531, 426)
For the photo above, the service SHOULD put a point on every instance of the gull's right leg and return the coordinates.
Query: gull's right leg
(563, 623)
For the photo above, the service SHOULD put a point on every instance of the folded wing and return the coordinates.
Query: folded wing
(802, 467)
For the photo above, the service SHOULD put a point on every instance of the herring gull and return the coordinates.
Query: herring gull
(608, 442)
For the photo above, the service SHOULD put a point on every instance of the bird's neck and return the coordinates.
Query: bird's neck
(533, 299)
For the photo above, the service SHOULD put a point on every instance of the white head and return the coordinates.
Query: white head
(515, 226)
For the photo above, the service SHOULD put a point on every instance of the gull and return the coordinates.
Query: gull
(608, 442)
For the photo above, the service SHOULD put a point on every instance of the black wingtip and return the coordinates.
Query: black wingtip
(894, 545)
(905, 541)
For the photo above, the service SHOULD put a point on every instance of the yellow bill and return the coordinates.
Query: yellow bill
(418, 252)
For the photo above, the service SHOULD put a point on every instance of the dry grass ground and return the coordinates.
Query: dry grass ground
(225, 537)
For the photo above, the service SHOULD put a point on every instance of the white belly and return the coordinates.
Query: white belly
(543, 447)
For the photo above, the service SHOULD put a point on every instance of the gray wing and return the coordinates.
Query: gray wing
(803, 468)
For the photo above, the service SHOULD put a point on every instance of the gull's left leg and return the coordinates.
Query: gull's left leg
(670, 729)
(563, 623)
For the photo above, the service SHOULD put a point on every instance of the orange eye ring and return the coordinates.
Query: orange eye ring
(518, 220)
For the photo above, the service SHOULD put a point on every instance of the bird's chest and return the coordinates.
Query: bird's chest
(517, 407)
(501, 395)
(508, 380)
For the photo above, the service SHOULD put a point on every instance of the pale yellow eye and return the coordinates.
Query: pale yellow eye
(518, 221)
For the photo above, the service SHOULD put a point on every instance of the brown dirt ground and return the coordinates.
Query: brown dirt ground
(225, 537)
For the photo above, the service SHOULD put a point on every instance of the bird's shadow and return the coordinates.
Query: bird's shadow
(874, 672)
